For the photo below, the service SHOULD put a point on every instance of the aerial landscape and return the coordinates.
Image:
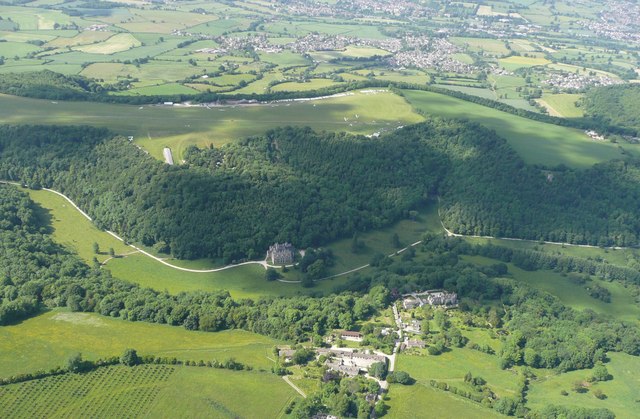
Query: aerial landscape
(320, 209)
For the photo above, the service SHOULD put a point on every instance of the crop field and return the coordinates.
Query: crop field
(515, 62)
(156, 127)
(563, 104)
(536, 142)
(117, 43)
(49, 339)
(148, 390)
(621, 391)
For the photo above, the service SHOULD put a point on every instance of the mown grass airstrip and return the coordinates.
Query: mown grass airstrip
(156, 127)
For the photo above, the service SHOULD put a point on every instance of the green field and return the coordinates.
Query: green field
(420, 400)
(453, 365)
(563, 105)
(622, 306)
(73, 230)
(515, 62)
(149, 391)
(536, 142)
(621, 392)
(49, 339)
(156, 127)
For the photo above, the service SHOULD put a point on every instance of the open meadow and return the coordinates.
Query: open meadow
(49, 339)
(621, 396)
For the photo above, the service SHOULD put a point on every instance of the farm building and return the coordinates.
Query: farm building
(281, 254)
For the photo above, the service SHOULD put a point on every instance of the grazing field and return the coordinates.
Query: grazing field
(421, 400)
(563, 104)
(74, 231)
(156, 127)
(621, 392)
(622, 306)
(536, 142)
(149, 390)
(451, 367)
(49, 339)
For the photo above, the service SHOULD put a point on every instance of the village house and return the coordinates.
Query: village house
(287, 354)
(281, 254)
(414, 343)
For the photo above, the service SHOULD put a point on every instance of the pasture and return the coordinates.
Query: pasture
(621, 391)
(177, 127)
(451, 367)
(49, 339)
(149, 390)
(72, 230)
(536, 142)
(421, 400)
(622, 305)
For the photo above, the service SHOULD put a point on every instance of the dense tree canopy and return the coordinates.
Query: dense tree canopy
(615, 105)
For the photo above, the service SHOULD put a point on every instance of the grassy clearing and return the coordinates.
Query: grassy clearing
(536, 142)
(48, 340)
(621, 392)
(149, 390)
(155, 127)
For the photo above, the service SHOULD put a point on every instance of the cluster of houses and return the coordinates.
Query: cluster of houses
(349, 362)
(432, 298)
(345, 361)
(572, 81)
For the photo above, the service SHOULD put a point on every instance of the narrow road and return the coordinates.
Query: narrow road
(586, 246)
(295, 387)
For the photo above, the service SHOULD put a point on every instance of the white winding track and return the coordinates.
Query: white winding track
(264, 263)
